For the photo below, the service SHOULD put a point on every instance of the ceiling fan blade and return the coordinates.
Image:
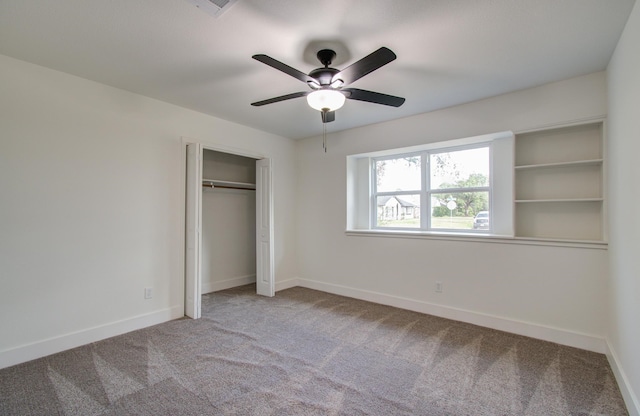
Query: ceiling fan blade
(328, 117)
(373, 97)
(365, 66)
(284, 68)
(281, 98)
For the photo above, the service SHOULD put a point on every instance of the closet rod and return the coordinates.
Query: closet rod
(209, 185)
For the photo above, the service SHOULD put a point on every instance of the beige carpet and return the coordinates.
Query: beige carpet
(310, 353)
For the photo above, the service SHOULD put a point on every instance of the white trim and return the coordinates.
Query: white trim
(183, 218)
(480, 238)
(546, 333)
(630, 398)
(574, 339)
(208, 287)
(60, 343)
(264, 229)
(238, 151)
(193, 230)
(212, 145)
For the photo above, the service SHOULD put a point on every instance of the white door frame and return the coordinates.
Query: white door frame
(193, 230)
(193, 206)
(265, 284)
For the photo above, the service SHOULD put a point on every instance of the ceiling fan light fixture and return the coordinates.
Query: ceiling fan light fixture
(326, 100)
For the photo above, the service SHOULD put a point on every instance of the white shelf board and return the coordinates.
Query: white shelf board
(528, 201)
(591, 162)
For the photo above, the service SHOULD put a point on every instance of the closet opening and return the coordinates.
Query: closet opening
(228, 221)
(228, 224)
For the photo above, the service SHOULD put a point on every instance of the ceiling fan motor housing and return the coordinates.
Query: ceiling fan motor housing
(323, 75)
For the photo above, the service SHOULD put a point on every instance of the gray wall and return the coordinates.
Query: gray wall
(545, 291)
(624, 175)
(92, 211)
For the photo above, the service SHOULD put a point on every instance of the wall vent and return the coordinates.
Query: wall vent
(213, 7)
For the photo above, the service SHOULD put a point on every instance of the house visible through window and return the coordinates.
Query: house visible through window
(447, 187)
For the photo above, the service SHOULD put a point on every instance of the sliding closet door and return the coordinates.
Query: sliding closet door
(265, 282)
(193, 231)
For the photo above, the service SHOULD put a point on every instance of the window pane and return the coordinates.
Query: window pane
(460, 210)
(460, 169)
(402, 174)
(398, 211)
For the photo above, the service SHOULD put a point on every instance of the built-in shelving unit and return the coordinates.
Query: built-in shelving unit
(559, 191)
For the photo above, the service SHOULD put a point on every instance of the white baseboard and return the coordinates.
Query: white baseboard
(630, 398)
(54, 345)
(208, 287)
(546, 333)
(588, 342)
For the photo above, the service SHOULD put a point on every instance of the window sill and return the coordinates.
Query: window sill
(480, 238)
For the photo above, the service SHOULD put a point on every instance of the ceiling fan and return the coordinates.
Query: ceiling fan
(327, 84)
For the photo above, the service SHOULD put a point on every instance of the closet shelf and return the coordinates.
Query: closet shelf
(590, 162)
(214, 183)
(522, 201)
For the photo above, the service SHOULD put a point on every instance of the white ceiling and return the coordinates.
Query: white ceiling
(449, 51)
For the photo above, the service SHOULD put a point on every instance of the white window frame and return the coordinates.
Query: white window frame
(362, 193)
(375, 194)
(425, 191)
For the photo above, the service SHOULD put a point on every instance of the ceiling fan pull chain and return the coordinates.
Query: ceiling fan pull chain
(324, 137)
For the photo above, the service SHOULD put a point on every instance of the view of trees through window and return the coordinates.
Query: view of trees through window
(454, 185)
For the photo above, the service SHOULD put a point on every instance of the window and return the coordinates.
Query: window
(432, 190)
(460, 186)
(397, 194)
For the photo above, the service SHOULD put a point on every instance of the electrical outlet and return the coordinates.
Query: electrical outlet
(439, 287)
(148, 292)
